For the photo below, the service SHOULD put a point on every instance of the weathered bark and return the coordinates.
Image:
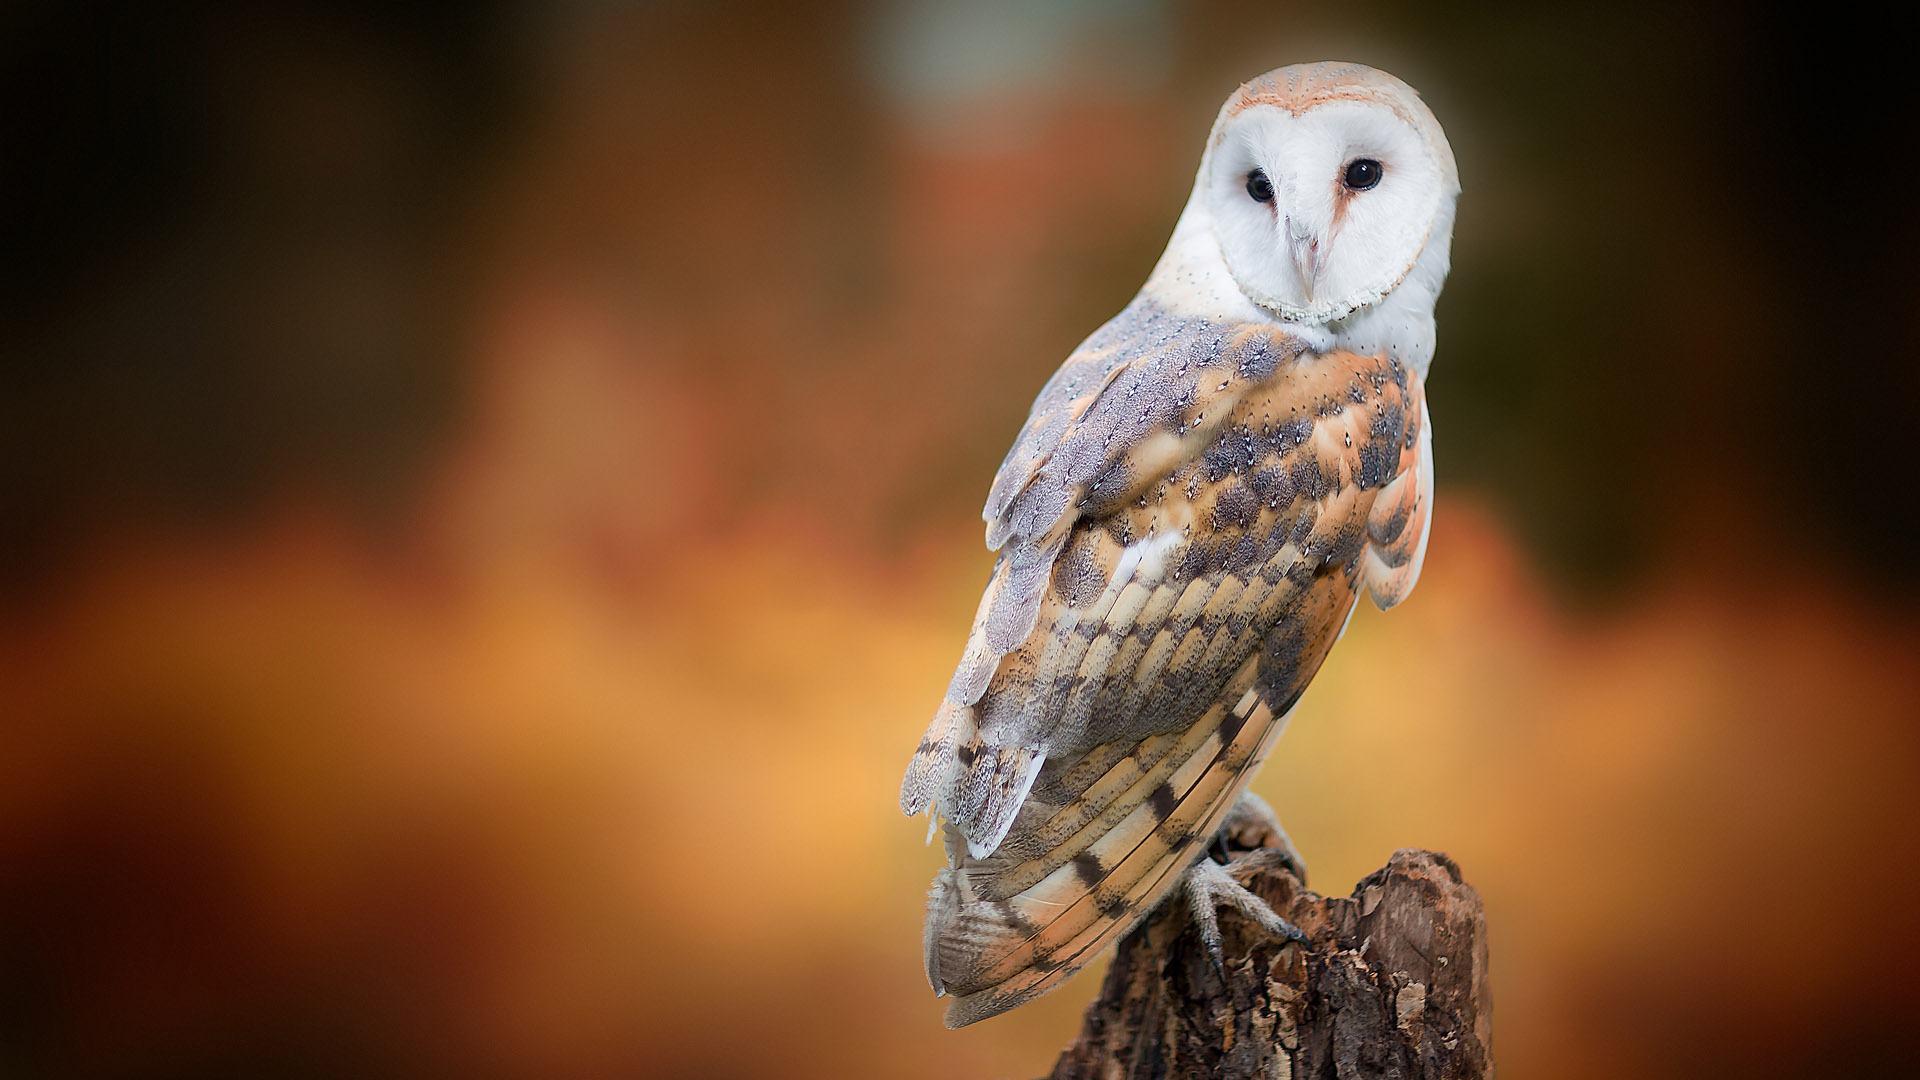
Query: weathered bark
(1393, 984)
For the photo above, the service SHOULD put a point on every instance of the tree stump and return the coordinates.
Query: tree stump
(1393, 984)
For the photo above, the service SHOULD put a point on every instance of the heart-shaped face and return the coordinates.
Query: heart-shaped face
(1321, 210)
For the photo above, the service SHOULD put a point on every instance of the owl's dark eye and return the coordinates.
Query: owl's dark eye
(1362, 173)
(1259, 186)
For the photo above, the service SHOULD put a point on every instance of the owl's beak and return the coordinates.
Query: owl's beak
(1305, 249)
(1306, 261)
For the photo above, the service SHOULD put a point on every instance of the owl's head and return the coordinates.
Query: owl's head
(1325, 184)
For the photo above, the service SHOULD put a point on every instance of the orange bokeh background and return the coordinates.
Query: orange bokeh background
(471, 596)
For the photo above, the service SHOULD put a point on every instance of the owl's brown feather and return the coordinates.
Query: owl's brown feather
(1184, 526)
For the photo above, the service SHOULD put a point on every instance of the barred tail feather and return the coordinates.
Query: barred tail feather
(993, 948)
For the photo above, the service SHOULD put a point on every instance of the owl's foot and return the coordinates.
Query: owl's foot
(1250, 825)
(1208, 885)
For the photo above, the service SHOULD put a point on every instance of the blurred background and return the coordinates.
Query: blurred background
(489, 500)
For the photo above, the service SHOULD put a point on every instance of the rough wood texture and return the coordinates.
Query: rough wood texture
(1394, 983)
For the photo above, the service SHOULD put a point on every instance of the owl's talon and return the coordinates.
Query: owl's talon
(1208, 885)
(1294, 866)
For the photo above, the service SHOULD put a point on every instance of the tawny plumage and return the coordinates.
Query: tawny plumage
(1184, 525)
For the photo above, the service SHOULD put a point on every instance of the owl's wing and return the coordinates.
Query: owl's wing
(1184, 525)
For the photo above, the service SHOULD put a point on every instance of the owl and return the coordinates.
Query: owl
(1184, 526)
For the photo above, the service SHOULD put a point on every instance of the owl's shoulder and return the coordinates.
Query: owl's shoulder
(1130, 398)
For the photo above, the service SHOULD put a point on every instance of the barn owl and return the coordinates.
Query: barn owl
(1184, 526)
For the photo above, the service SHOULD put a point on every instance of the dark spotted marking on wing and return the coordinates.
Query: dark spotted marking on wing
(1230, 726)
(1163, 801)
(1014, 918)
(1088, 867)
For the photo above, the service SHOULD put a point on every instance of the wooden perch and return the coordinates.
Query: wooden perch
(1394, 983)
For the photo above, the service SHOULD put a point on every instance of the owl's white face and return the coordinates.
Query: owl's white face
(1322, 213)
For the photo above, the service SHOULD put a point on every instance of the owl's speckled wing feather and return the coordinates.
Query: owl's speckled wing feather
(1184, 526)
